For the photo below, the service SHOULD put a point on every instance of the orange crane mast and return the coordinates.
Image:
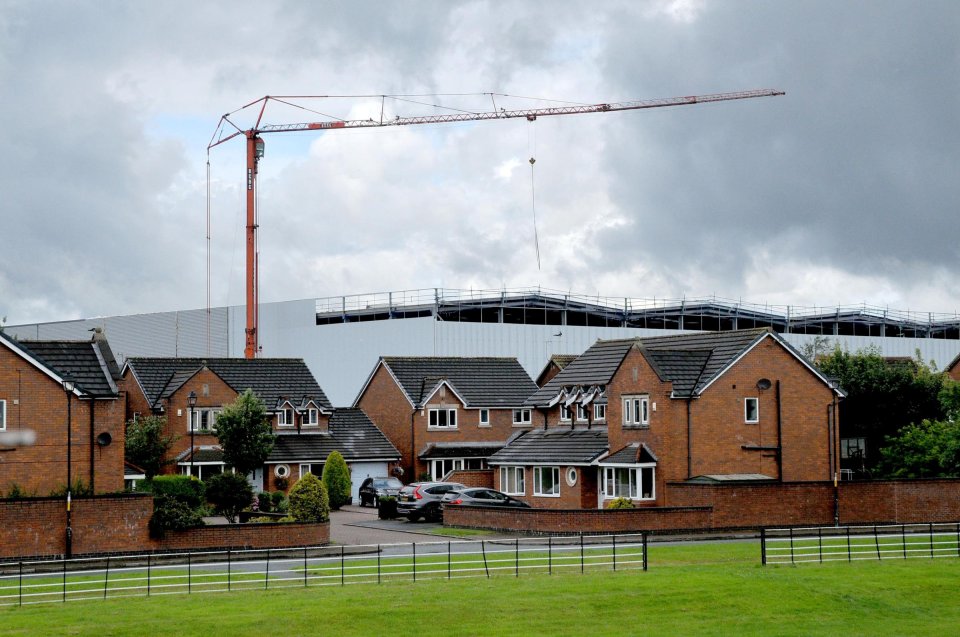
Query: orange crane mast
(227, 130)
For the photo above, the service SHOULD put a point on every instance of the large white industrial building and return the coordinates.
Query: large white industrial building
(341, 338)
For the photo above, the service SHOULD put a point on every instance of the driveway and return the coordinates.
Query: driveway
(354, 524)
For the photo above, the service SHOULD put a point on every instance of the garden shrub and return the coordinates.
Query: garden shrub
(171, 514)
(336, 478)
(186, 489)
(621, 503)
(229, 493)
(388, 508)
(309, 501)
(264, 502)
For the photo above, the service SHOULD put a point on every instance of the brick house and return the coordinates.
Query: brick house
(953, 369)
(631, 416)
(34, 397)
(447, 413)
(306, 425)
(553, 367)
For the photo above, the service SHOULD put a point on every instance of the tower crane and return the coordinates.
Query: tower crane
(227, 130)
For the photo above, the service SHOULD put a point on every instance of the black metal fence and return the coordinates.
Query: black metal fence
(851, 543)
(63, 580)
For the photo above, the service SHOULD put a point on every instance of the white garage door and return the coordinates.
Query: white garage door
(359, 471)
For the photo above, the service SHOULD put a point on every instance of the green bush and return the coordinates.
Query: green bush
(276, 499)
(336, 478)
(186, 489)
(17, 492)
(621, 503)
(171, 514)
(79, 488)
(309, 501)
(388, 508)
(288, 518)
(229, 493)
(264, 504)
(262, 519)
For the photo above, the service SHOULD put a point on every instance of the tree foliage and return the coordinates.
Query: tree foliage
(229, 493)
(883, 395)
(309, 501)
(146, 445)
(336, 478)
(930, 449)
(244, 433)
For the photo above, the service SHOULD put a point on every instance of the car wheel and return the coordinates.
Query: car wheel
(413, 517)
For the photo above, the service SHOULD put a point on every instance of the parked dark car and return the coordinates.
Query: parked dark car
(373, 489)
(422, 499)
(481, 497)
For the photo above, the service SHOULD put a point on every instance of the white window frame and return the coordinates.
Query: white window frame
(3, 415)
(517, 487)
(636, 411)
(565, 414)
(433, 418)
(197, 417)
(440, 467)
(538, 490)
(599, 412)
(525, 416)
(311, 417)
(746, 410)
(286, 417)
(634, 482)
(581, 413)
(484, 418)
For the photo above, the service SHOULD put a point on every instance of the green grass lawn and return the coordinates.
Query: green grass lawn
(690, 589)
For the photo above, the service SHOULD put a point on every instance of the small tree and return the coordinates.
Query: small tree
(146, 446)
(244, 433)
(229, 493)
(336, 478)
(309, 501)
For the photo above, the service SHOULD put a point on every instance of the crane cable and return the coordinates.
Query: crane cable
(531, 132)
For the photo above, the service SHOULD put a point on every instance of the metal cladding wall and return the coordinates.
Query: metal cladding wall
(342, 355)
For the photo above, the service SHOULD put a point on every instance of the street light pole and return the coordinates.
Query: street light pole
(192, 402)
(68, 387)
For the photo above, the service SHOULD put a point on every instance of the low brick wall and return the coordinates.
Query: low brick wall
(36, 527)
(740, 506)
(475, 478)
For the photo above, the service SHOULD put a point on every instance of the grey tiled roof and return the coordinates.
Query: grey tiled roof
(729, 478)
(271, 379)
(482, 382)
(562, 446)
(351, 433)
(635, 453)
(689, 361)
(89, 363)
(461, 450)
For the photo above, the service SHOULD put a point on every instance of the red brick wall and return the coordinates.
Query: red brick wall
(582, 495)
(741, 506)
(119, 524)
(482, 478)
(386, 406)
(36, 401)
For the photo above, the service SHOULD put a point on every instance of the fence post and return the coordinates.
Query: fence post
(820, 542)
(581, 553)
(549, 555)
(106, 578)
(229, 569)
(876, 541)
(516, 557)
(448, 559)
(931, 540)
(342, 578)
(483, 549)
(414, 544)
(614, 552)
(378, 563)
(903, 539)
(791, 546)
(64, 579)
(266, 573)
(763, 546)
(189, 572)
(644, 536)
(148, 574)
(849, 559)
(958, 539)
(20, 594)
(304, 567)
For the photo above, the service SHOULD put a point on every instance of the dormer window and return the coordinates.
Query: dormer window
(599, 412)
(311, 417)
(581, 413)
(285, 417)
(564, 413)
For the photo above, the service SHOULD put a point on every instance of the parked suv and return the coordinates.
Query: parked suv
(373, 489)
(422, 499)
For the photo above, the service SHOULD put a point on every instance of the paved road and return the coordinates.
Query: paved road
(360, 525)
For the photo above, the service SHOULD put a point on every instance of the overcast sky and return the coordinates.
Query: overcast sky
(844, 191)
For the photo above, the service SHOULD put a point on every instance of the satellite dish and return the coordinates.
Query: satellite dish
(763, 383)
(104, 439)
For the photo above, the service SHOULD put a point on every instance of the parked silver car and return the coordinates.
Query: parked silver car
(422, 499)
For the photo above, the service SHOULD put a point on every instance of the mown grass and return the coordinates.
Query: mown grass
(690, 589)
